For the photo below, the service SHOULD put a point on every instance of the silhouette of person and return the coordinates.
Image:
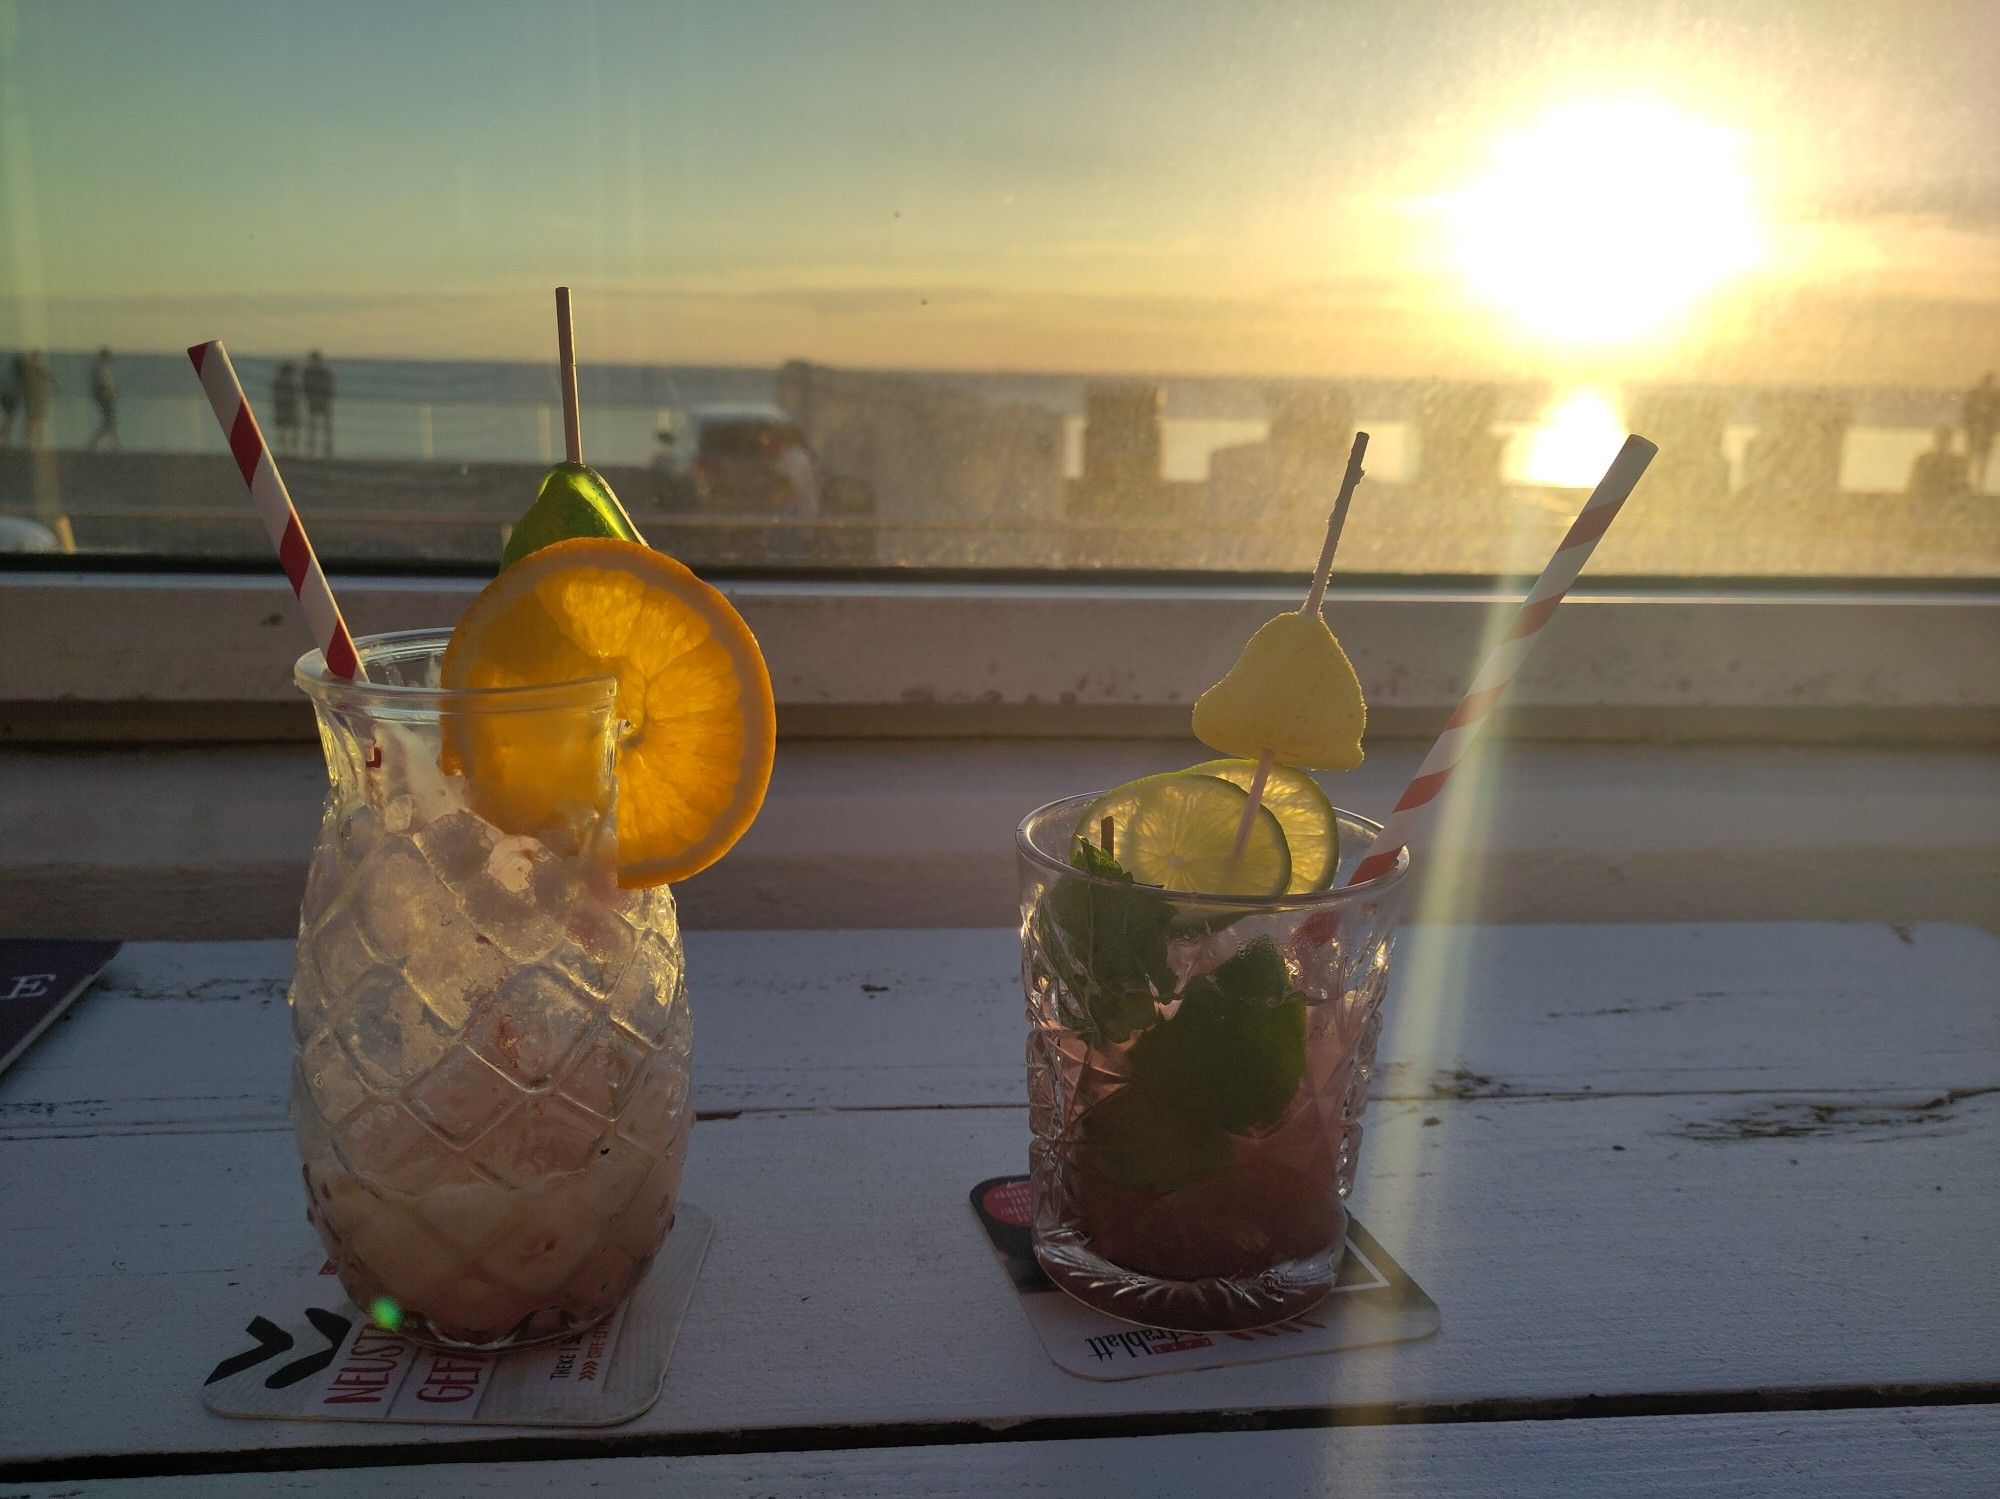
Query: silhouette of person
(10, 397)
(104, 391)
(317, 382)
(1939, 473)
(285, 406)
(37, 384)
(794, 464)
(1981, 418)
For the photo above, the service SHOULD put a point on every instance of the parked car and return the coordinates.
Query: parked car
(19, 534)
(739, 458)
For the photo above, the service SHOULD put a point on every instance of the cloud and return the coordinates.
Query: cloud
(1962, 203)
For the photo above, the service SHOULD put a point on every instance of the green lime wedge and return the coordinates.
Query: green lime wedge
(1178, 831)
(1303, 810)
(573, 501)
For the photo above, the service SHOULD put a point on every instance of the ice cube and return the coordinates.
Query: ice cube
(601, 1077)
(461, 1097)
(530, 1025)
(457, 845)
(384, 1146)
(452, 966)
(520, 898)
(327, 1074)
(355, 833)
(326, 875)
(338, 951)
(597, 945)
(656, 1099)
(386, 1030)
(547, 1136)
(389, 1242)
(308, 1004)
(650, 1001)
(397, 894)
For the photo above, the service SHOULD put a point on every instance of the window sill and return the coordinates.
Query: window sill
(213, 841)
(110, 657)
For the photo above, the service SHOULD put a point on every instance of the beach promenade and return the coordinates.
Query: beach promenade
(385, 510)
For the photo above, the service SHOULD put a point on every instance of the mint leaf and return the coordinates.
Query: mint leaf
(1107, 940)
(1132, 1139)
(1234, 1053)
(1255, 976)
(1092, 860)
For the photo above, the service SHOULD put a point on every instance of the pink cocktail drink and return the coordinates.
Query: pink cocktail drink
(1197, 1060)
(490, 1085)
(490, 1029)
(1197, 1069)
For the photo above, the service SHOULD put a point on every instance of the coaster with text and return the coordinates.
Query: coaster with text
(310, 1355)
(39, 979)
(1373, 1301)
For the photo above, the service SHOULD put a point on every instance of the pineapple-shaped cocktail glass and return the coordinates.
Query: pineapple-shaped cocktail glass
(491, 1037)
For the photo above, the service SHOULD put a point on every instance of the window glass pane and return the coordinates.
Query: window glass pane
(1030, 286)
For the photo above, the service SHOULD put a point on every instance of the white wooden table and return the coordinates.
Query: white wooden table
(1706, 1209)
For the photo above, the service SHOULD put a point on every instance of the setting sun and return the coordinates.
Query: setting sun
(1605, 219)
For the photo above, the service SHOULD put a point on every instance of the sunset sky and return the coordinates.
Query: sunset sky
(1069, 186)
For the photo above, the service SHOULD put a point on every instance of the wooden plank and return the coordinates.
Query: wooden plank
(924, 1018)
(1579, 1247)
(1914, 1453)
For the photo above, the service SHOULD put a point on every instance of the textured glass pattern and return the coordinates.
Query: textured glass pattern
(1196, 1119)
(490, 1082)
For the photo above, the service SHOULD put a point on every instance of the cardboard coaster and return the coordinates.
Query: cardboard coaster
(1373, 1301)
(312, 1356)
(38, 981)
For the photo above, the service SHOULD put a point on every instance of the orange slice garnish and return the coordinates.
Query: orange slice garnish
(695, 757)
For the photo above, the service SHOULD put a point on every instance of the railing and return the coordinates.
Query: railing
(1872, 459)
(475, 431)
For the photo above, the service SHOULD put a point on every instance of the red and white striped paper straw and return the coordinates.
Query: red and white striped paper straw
(1497, 674)
(274, 508)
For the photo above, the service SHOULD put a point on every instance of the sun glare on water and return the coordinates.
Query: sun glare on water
(1606, 219)
(1577, 436)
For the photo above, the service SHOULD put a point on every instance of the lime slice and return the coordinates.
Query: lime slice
(1178, 831)
(573, 501)
(1311, 829)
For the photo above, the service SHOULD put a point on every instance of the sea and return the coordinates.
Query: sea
(507, 410)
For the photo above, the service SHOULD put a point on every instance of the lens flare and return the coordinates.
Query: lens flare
(1607, 219)
(385, 1314)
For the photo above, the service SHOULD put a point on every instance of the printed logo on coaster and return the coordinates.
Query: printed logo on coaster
(38, 981)
(1373, 1301)
(311, 1355)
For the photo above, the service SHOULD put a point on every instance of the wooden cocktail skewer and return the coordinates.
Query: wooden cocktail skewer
(1315, 597)
(572, 409)
(566, 347)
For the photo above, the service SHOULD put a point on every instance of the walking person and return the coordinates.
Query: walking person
(791, 539)
(794, 463)
(285, 407)
(1938, 474)
(317, 383)
(37, 385)
(10, 397)
(1981, 420)
(104, 391)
